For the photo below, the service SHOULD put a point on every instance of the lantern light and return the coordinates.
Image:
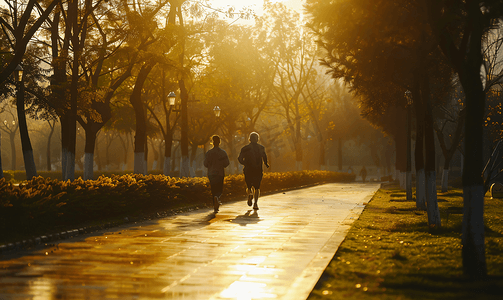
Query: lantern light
(217, 111)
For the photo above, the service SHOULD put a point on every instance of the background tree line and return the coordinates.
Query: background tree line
(100, 73)
(446, 56)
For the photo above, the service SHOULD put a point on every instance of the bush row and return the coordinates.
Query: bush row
(42, 204)
(20, 175)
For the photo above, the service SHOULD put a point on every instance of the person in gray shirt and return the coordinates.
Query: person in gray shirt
(252, 156)
(216, 160)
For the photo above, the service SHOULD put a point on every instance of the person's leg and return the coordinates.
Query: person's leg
(249, 188)
(216, 183)
(256, 194)
(219, 186)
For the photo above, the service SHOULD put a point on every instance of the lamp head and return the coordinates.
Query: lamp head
(171, 98)
(19, 73)
(217, 111)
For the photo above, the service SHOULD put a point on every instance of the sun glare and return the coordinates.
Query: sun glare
(255, 5)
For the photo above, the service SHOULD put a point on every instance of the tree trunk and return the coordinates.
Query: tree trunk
(323, 165)
(401, 146)
(74, 92)
(298, 137)
(408, 181)
(339, 153)
(168, 144)
(141, 126)
(29, 161)
(156, 156)
(48, 152)
(89, 153)
(12, 136)
(98, 156)
(145, 157)
(193, 153)
(419, 148)
(125, 146)
(473, 251)
(184, 143)
(298, 155)
(429, 137)
(161, 156)
(64, 146)
(449, 152)
(1, 169)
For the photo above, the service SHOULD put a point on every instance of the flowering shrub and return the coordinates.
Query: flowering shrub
(47, 204)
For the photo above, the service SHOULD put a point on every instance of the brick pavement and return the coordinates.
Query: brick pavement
(277, 252)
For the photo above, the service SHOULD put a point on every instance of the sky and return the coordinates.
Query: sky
(256, 5)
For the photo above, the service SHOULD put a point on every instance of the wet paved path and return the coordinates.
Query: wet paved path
(277, 252)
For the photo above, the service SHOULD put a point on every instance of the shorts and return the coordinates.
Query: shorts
(253, 179)
(217, 185)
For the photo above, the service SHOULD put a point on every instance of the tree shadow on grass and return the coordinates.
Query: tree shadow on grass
(401, 200)
(431, 286)
(398, 195)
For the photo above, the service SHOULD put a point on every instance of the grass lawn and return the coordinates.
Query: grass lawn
(389, 253)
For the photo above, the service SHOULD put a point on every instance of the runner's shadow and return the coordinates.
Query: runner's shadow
(207, 219)
(200, 223)
(250, 217)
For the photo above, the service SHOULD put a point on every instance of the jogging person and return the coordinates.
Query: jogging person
(251, 157)
(216, 160)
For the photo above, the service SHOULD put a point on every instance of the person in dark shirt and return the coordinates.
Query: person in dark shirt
(251, 157)
(216, 160)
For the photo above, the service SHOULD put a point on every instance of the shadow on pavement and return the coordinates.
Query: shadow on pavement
(250, 217)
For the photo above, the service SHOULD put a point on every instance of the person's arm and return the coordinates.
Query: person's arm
(205, 163)
(264, 157)
(225, 160)
(241, 157)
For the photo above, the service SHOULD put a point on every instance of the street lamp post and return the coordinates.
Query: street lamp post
(184, 132)
(408, 176)
(12, 135)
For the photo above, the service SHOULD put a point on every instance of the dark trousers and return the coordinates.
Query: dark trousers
(217, 185)
(253, 179)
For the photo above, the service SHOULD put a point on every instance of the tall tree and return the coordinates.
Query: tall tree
(162, 112)
(449, 129)
(293, 53)
(19, 22)
(10, 127)
(106, 65)
(380, 58)
(461, 42)
(19, 26)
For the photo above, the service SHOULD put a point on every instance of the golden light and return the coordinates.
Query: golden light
(217, 111)
(171, 98)
(19, 73)
(246, 288)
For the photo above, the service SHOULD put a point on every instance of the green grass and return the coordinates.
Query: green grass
(389, 253)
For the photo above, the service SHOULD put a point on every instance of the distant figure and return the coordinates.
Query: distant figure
(350, 170)
(363, 173)
(216, 160)
(251, 157)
